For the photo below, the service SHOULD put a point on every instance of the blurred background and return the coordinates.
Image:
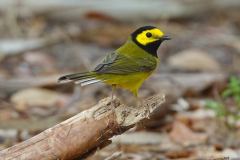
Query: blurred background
(199, 72)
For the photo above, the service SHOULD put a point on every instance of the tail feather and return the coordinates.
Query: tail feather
(90, 82)
(74, 76)
(80, 78)
(84, 80)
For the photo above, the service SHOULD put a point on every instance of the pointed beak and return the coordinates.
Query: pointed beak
(166, 37)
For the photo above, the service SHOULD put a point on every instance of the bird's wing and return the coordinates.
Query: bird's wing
(115, 63)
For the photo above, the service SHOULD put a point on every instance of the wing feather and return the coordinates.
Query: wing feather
(115, 63)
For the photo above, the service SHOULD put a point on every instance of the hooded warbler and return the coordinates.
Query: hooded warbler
(128, 66)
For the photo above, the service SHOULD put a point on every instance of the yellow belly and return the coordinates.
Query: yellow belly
(131, 82)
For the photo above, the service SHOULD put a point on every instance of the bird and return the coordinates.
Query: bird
(128, 66)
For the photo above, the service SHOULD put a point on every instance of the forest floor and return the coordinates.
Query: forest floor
(198, 121)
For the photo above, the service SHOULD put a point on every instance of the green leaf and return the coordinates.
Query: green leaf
(234, 85)
(217, 107)
(226, 93)
(233, 88)
(237, 99)
(237, 117)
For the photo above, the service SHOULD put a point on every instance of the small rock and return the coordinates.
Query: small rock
(193, 60)
(181, 105)
(39, 62)
(230, 153)
(139, 138)
(38, 98)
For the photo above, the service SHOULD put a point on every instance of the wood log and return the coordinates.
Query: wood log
(81, 135)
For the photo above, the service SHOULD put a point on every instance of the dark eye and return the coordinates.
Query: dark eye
(148, 34)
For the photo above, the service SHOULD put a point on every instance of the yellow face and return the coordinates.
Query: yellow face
(149, 36)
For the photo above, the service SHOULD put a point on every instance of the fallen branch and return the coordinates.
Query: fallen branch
(81, 135)
(65, 10)
(9, 86)
(10, 47)
(168, 81)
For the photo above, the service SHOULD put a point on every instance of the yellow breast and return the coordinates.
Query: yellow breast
(131, 82)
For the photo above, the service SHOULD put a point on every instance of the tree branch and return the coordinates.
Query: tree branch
(81, 135)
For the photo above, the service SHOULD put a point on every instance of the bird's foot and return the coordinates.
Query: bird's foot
(113, 105)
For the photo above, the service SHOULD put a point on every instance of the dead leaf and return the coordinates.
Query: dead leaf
(197, 119)
(107, 36)
(193, 60)
(183, 135)
(99, 16)
(178, 154)
(7, 114)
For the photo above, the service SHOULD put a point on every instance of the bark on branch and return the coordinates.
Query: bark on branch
(82, 134)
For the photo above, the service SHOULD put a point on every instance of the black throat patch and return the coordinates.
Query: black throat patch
(151, 48)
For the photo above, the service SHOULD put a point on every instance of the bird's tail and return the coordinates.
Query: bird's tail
(83, 79)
